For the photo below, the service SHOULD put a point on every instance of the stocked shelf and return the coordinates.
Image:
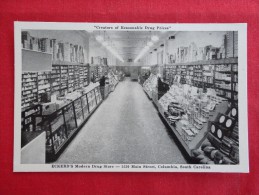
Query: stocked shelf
(220, 75)
(98, 70)
(29, 89)
(44, 85)
(191, 126)
(197, 97)
(85, 75)
(61, 79)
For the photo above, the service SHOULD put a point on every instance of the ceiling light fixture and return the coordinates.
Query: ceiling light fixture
(142, 53)
(146, 47)
(105, 43)
(150, 44)
(99, 38)
(154, 38)
(110, 49)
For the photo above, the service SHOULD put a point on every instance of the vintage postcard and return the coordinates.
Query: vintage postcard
(130, 97)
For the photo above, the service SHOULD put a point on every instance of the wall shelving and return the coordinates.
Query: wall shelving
(220, 75)
(61, 79)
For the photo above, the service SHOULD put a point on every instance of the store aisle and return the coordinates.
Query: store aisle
(126, 128)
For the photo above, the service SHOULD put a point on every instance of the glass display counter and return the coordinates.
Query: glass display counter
(69, 116)
(91, 100)
(63, 124)
(78, 111)
(85, 106)
(98, 95)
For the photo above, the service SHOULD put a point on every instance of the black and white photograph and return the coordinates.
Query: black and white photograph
(117, 97)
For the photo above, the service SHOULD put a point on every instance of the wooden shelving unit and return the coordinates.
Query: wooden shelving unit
(29, 88)
(60, 79)
(44, 84)
(220, 75)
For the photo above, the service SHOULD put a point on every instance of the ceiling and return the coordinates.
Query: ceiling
(128, 44)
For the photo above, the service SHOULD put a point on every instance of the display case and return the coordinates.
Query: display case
(85, 106)
(70, 120)
(29, 117)
(98, 95)
(144, 74)
(78, 111)
(150, 85)
(63, 124)
(188, 113)
(91, 100)
(222, 143)
(56, 134)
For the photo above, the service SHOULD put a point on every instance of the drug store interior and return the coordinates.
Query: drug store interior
(115, 97)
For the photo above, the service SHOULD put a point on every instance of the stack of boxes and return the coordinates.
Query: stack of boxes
(60, 51)
(35, 44)
(228, 49)
(72, 57)
(192, 52)
(26, 40)
(82, 58)
(201, 54)
(232, 44)
(182, 53)
(53, 48)
(67, 57)
(76, 52)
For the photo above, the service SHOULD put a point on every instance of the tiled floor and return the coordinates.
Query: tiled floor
(126, 128)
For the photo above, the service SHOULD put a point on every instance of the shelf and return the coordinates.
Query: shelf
(43, 79)
(224, 97)
(29, 90)
(223, 80)
(66, 63)
(208, 62)
(222, 71)
(224, 89)
(222, 67)
(44, 88)
(29, 82)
